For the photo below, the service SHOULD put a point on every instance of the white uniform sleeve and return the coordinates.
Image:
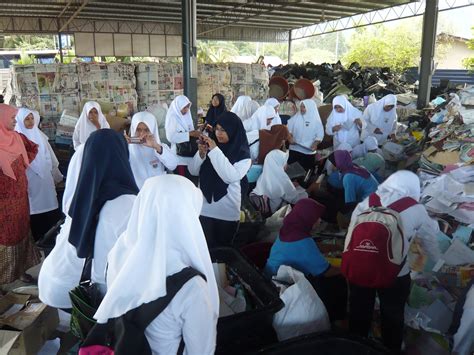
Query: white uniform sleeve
(290, 125)
(57, 175)
(195, 164)
(293, 195)
(464, 337)
(250, 124)
(319, 134)
(368, 121)
(75, 138)
(168, 158)
(174, 132)
(229, 173)
(329, 126)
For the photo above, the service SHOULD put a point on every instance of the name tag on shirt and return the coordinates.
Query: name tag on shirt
(306, 123)
(154, 163)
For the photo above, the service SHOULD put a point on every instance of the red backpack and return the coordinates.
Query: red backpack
(374, 249)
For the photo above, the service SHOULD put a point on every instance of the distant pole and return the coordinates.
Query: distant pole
(60, 44)
(290, 41)
(337, 46)
(428, 42)
(189, 52)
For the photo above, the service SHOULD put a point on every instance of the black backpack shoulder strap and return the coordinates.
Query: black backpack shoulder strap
(130, 328)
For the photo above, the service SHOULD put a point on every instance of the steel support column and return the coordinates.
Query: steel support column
(290, 40)
(60, 46)
(189, 53)
(430, 21)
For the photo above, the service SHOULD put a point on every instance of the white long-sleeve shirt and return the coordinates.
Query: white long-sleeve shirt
(177, 131)
(464, 337)
(228, 207)
(188, 315)
(61, 270)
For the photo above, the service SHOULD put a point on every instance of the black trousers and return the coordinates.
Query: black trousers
(41, 223)
(305, 160)
(333, 292)
(218, 233)
(392, 307)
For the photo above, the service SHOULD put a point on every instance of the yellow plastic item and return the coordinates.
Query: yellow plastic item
(336, 262)
(417, 134)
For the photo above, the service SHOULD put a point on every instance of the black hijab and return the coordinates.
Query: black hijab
(215, 112)
(235, 150)
(105, 175)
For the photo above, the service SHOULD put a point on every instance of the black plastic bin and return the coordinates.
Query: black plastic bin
(328, 343)
(250, 330)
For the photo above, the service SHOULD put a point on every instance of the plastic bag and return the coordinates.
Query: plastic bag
(304, 312)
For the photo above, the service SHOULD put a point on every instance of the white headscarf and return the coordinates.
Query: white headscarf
(349, 133)
(307, 128)
(381, 119)
(42, 164)
(259, 118)
(275, 104)
(163, 236)
(274, 181)
(174, 113)
(84, 127)
(402, 183)
(344, 146)
(243, 107)
(73, 170)
(371, 143)
(141, 157)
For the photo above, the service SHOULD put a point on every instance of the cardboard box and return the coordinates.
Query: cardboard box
(25, 324)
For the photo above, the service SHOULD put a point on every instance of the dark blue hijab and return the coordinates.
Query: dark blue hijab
(213, 113)
(235, 150)
(105, 175)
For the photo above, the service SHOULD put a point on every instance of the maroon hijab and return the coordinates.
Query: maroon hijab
(299, 222)
(342, 160)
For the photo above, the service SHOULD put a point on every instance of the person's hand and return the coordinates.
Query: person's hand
(314, 146)
(358, 122)
(150, 141)
(393, 137)
(209, 142)
(202, 149)
(291, 140)
(378, 131)
(95, 122)
(194, 134)
(295, 183)
(337, 128)
(127, 137)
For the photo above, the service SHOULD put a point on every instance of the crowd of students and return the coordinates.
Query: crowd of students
(126, 212)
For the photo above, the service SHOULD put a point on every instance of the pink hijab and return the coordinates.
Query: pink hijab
(299, 222)
(11, 144)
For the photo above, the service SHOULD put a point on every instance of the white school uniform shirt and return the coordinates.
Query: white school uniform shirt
(61, 270)
(464, 337)
(228, 207)
(43, 171)
(375, 117)
(307, 128)
(349, 133)
(414, 219)
(145, 161)
(84, 127)
(153, 235)
(178, 126)
(275, 183)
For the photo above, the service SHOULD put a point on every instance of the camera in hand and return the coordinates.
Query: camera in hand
(136, 140)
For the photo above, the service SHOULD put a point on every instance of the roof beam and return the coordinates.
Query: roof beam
(78, 11)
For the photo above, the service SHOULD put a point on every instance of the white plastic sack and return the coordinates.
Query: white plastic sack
(304, 312)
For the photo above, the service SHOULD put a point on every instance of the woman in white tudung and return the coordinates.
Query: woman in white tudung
(275, 184)
(276, 105)
(151, 157)
(381, 119)
(307, 132)
(153, 241)
(263, 118)
(344, 123)
(43, 175)
(91, 120)
(179, 127)
(244, 107)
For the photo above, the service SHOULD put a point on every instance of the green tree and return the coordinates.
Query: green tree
(469, 62)
(216, 51)
(30, 42)
(25, 59)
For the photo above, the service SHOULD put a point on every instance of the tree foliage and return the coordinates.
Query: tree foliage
(469, 62)
(30, 42)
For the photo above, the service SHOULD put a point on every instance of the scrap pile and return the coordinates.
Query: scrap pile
(356, 81)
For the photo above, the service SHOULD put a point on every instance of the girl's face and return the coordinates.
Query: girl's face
(11, 123)
(93, 115)
(269, 121)
(277, 108)
(388, 108)
(215, 101)
(303, 109)
(142, 130)
(29, 121)
(185, 109)
(339, 109)
(221, 134)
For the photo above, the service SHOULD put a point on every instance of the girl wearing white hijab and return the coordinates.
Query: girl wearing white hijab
(344, 122)
(154, 247)
(91, 120)
(414, 220)
(179, 128)
(263, 118)
(307, 131)
(43, 174)
(370, 145)
(275, 183)
(150, 158)
(381, 119)
(244, 107)
(276, 105)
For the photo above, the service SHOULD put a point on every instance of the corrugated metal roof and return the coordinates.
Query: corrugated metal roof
(224, 19)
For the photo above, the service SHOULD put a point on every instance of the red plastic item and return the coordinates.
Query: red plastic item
(278, 87)
(304, 89)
